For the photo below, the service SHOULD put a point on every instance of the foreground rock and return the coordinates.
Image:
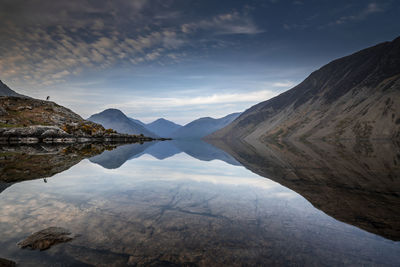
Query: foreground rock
(71, 133)
(46, 238)
(6, 263)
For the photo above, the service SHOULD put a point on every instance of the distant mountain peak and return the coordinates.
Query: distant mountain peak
(201, 127)
(117, 120)
(112, 110)
(163, 127)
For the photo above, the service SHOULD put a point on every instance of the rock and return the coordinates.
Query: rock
(24, 107)
(6, 263)
(34, 131)
(46, 238)
(54, 132)
(3, 112)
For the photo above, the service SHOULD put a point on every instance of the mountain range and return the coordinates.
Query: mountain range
(354, 97)
(197, 129)
(202, 127)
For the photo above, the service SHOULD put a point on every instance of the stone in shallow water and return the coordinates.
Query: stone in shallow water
(46, 238)
(6, 263)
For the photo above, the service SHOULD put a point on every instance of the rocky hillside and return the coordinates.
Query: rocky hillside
(21, 114)
(115, 119)
(28, 120)
(357, 96)
(201, 127)
(22, 111)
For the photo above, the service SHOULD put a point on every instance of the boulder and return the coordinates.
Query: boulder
(7, 263)
(46, 238)
(3, 111)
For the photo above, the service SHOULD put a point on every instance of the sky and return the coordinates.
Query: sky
(179, 59)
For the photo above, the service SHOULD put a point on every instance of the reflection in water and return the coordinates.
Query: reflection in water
(355, 182)
(161, 150)
(206, 212)
(21, 163)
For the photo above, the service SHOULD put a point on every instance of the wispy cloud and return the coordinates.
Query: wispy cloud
(224, 24)
(177, 102)
(370, 9)
(283, 84)
(91, 37)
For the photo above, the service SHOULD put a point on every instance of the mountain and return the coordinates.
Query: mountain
(6, 91)
(138, 122)
(357, 96)
(163, 127)
(202, 127)
(118, 121)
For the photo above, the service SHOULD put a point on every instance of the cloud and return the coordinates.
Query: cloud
(370, 9)
(98, 37)
(159, 104)
(284, 84)
(224, 24)
(47, 56)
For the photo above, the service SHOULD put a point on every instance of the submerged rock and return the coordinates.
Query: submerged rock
(7, 263)
(46, 238)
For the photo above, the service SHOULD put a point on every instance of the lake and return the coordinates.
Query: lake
(196, 204)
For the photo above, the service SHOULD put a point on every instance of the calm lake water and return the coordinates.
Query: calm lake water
(190, 203)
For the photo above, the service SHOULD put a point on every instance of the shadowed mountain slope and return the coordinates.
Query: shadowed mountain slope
(163, 127)
(357, 96)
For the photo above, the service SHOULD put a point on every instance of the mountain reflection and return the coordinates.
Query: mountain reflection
(184, 211)
(29, 162)
(354, 182)
(162, 150)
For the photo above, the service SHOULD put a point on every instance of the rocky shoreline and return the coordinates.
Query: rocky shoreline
(55, 135)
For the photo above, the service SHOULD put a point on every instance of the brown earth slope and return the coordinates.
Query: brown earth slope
(21, 111)
(357, 96)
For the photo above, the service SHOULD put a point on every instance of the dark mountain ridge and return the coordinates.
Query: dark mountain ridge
(356, 96)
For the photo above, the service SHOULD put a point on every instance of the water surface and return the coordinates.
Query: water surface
(176, 203)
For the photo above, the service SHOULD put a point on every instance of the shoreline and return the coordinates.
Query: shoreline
(54, 135)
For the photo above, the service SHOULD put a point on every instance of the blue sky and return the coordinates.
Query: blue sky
(179, 59)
